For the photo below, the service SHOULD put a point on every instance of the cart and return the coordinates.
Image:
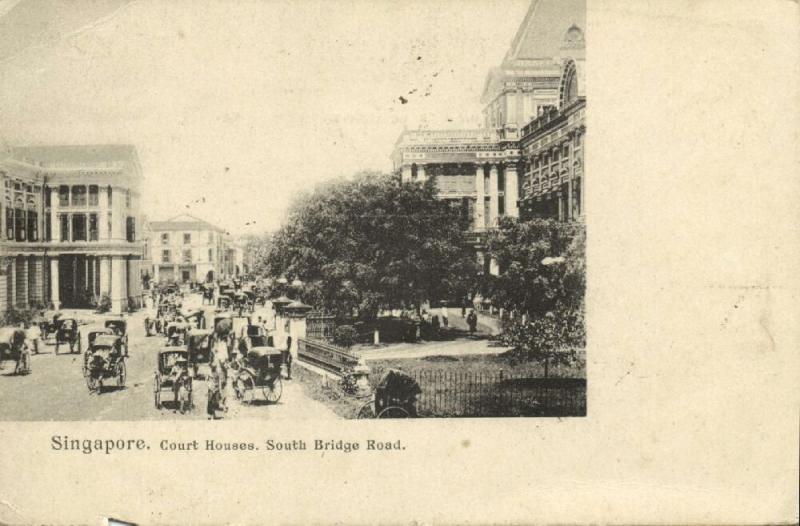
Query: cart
(13, 348)
(68, 334)
(395, 396)
(260, 369)
(173, 373)
(104, 360)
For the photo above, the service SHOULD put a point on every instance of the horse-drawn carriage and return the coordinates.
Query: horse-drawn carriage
(13, 348)
(104, 360)
(208, 294)
(68, 334)
(260, 368)
(48, 323)
(224, 300)
(198, 346)
(395, 396)
(173, 373)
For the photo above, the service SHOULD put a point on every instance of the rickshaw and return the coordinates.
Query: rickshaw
(120, 328)
(198, 345)
(260, 369)
(176, 331)
(13, 348)
(104, 359)
(241, 302)
(68, 334)
(224, 301)
(92, 336)
(208, 294)
(395, 396)
(173, 373)
(196, 318)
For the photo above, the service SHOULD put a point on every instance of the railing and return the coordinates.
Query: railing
(325, 355)
(449, 136)
(320, 326)
(492, 394)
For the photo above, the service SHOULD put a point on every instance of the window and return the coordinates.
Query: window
(47, 199)
(127, 198)
(48, 227)
(110, 195)
(210, 238)
(165, 238)
(93, 195)
(130, 229)
(187, 256)
(165, 256)
(93, 231)
(79, 227)
(64, 220)
(9, 222)
(63, 195)
(78, 196)
(19, 223)
(110, 226)
(210, 254)
(187, 239)
(33, 226)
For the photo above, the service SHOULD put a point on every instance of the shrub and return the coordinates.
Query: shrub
(14, 317)
(346, 336)
(348, 382)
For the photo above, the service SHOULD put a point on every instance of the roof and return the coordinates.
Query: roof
(542, 32)
(76, 153)
(183, 222)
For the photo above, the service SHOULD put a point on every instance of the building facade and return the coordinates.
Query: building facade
(528, 157)
(70, 217)
(185, 248)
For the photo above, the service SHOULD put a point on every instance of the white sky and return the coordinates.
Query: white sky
(245, 103)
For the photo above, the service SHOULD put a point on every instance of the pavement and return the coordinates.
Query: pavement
(56, 390)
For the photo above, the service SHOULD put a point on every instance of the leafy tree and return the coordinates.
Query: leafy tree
(370, 243)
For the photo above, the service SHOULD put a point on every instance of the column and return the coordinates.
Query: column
(512, 190)
(405, 176)
(560, 205)
(494, 267)
(118, 286)
(55, 223)
(421, 173)
(54, 283)
(105, 275)
(493, 197)
(69, 227)
(102, 215)
(12, 270)
(480, 221)
(22, 285)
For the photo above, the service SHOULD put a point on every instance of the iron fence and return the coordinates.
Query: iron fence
(497, 394)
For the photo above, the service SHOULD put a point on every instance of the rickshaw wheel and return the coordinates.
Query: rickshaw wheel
(393, 412)
(243, 386)
(122, 373)
(273, 390)
(367, 410)
(79, 345)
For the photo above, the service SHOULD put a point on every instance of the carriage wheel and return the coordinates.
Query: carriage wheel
(157, 390)
(122, 374)
(367, 410)
(273, 390)
(244, 386)
(79, 345)
(393, 412)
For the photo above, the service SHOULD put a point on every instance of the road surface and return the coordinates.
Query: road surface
(56, 389)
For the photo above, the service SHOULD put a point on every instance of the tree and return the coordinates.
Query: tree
(371, 243)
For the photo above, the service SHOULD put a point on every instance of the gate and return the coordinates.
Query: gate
(320, 326)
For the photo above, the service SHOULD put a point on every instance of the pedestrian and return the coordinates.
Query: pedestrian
(472, 321)
(445, 321)
(219, 366)
(33, 334)
(287, 357)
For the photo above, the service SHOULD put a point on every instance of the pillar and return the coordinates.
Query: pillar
(102, 216)
(560, 202)
(480, 221)
(405, 176)
(494, 267)
(493, 197)
(297, 330)
(105, 275)
(54, 297)
(119, 298)
(512, 190)
(55, 223)
(421, 177)
(35, 280)
(12, 295)
(22, 282)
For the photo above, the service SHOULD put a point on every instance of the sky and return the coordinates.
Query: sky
(235, 107)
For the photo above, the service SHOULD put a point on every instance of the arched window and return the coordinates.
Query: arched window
(568, 88)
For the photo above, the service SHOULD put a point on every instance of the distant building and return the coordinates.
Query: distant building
(70, 218)
(534, 105)
(185, 248)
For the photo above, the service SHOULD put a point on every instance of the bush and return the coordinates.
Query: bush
(348, 382)
(14, 317)
(346, 336)
(104, 305)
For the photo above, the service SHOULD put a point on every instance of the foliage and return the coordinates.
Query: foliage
(345, 335)
(256, 252)
(347, 383)
(104, 304)
(363, 244)
(15, 317)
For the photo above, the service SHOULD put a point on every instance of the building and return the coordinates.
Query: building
(185, 248)
(70, 217)
(533, 116)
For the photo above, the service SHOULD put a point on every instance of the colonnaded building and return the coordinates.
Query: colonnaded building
(527, 160)
(70, 217)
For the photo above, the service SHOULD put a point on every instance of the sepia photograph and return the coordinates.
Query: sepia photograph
(208, 219)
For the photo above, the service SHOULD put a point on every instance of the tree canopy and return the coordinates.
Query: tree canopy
(371, 243)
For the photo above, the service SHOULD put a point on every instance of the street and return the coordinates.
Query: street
(56, 389)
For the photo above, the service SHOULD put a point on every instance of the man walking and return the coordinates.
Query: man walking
(287, 357)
